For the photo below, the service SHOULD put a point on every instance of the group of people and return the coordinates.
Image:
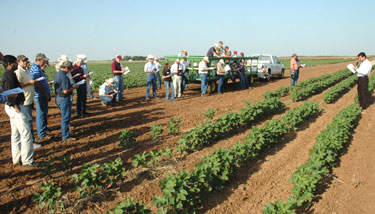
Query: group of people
(36, 88)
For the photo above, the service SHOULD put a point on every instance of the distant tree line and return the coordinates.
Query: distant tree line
(135, 58)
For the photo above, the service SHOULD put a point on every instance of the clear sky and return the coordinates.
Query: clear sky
(102, 29)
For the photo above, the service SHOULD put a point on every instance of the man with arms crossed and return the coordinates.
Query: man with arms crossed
(21, 141)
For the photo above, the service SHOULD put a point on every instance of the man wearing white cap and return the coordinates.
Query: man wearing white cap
(157, 74)
(220, 74)
(177, 71)
(107, 92)
(150, 70)
(86, 71)
(203, 72)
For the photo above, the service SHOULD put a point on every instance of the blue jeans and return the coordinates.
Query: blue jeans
(204, 83)
(221, 82)
(243, 81)
(151, 81)
(89, 90)
(26, 110)
(293, 81)
(41, 116)
(184, 82)
(107, 100)
(65, 106)
(158, 78)
(81, 99)
(119, 79)
(167, 86)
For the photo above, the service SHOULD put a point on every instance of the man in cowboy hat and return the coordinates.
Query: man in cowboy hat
(150, 70)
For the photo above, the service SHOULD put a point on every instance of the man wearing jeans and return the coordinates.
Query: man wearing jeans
(203, 71)
(294, 70)
(150, 70)
(107, 92)
(63, 91)
(117, 72)
(220, 74)
(42, 96)
(21, 141)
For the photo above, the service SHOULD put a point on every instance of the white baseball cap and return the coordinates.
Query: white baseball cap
(221, 61)
(206, 58)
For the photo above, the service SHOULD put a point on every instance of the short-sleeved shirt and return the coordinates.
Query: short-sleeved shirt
(62, 83)
(211, 51)
(105, 89)
(10, 81)
(116, 66)
(167, 73)
(149, 66)
(220, 67)
(202, 65)
(23, 76)
(35, 73)
(293, 64)
(177, 69)
(77, 70)
(157, 66)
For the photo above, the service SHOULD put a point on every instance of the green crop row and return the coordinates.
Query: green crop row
(130, 207)
(301, 92)
(308, 176)
(95, 176)
(210, 131)
(335, 92)
(184, 192)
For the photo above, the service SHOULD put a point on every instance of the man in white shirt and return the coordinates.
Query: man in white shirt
(203, 72)
(150, 70)
(363, 71)
(107, 92)
(177, 71)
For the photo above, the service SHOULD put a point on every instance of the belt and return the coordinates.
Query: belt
(363, 77)
(62, 95)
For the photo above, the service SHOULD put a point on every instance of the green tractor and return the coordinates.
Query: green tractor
(193, 76)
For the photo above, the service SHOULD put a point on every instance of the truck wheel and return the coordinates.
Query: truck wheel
(281, 74)
(212, 86)
(268, 77)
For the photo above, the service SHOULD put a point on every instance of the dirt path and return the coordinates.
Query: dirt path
(98, 142)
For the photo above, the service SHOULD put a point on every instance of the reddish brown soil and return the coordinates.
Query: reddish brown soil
(262, 181)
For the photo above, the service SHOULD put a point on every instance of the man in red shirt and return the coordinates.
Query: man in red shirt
(78, 75)
(294, 69)
(118, 71)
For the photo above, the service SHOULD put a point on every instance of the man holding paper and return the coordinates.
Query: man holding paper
(118, 71)
(42, 95)
(78, 74)
(63, 91)
(21, 141)
(363, 71)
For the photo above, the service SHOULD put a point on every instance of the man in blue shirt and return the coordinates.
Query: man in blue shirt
(63, 91)
(42, 96)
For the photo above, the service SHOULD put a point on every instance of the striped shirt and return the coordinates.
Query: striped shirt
(35, 73)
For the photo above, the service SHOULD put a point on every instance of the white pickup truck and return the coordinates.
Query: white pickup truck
(268, 66)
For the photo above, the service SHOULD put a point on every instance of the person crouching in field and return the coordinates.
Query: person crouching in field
(107, 92)
(167, 76)
(63, 92)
